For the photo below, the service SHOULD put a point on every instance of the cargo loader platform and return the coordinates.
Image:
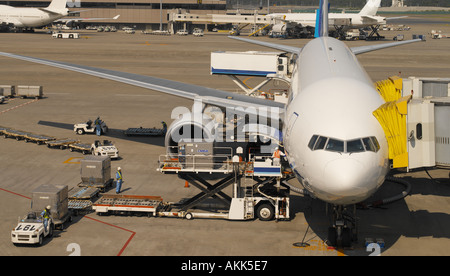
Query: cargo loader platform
(257, 184)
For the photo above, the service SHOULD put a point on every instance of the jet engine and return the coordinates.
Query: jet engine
(190, 127)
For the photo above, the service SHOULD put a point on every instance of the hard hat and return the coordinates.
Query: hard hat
(48, 207)
(119, 168)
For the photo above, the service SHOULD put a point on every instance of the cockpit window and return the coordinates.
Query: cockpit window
(355, 146)
(351, 146)
(368, 144)
(320, 144)
(312, 141)
(375, 142)
(335, 145)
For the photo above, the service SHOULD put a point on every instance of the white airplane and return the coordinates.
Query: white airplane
(333, 143)
(32, 17)
(38, 17)
(365, 18)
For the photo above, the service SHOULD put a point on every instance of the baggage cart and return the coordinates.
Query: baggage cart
(61, 143)
(17, 134)
(83, 148)
(37, 138)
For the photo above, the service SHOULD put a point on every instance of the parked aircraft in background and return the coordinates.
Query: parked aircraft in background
(29, 18)
(32, 17)
(338, 22)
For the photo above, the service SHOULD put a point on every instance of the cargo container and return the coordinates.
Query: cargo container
(25, 91)
(8, 90)
(96, 171)
(57, 197)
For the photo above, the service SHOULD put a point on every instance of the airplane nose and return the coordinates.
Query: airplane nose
(347, 179)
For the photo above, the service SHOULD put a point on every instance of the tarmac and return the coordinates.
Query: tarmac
(419, 224)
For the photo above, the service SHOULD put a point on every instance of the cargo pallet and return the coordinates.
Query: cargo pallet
(80, 199)
(145, 132)
(128, 204)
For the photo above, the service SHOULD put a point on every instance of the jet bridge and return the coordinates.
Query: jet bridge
(271, 65)
(415, 120)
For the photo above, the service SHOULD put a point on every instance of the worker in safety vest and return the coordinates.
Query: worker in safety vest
(119, 179)
(46, 215)
(98, 129)
(276, 156)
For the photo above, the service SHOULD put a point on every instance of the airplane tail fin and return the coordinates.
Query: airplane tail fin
(371, 8)
(321, 28)
(57, 5)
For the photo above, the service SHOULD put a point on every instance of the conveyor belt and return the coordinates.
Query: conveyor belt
(79, 204)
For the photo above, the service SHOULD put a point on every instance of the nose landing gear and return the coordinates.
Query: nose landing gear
(343, 229)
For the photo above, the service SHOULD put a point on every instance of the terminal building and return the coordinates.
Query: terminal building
(140, 14)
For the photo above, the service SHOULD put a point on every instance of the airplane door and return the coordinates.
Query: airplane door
(291, 122)
(421, 135)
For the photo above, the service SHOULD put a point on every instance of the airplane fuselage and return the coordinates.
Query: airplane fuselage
(356, 20)
(335, 145)
(27, 17)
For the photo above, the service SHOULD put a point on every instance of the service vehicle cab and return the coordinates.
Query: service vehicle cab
(31, 230)
(90, 127)
(65, 35)
(107, 148)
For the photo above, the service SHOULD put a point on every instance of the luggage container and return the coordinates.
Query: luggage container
(8, 90)
(196, 155)
(25, 91)
(96, 172)
(57, 197)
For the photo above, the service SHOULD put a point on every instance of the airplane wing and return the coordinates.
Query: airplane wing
(240, 104)
(355, 50)
(289, 49)
(365, 49)
(86, 19)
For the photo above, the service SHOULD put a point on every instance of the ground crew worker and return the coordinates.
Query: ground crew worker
(98, 129)
(276, 156)
(46, 215)
(119, 179)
